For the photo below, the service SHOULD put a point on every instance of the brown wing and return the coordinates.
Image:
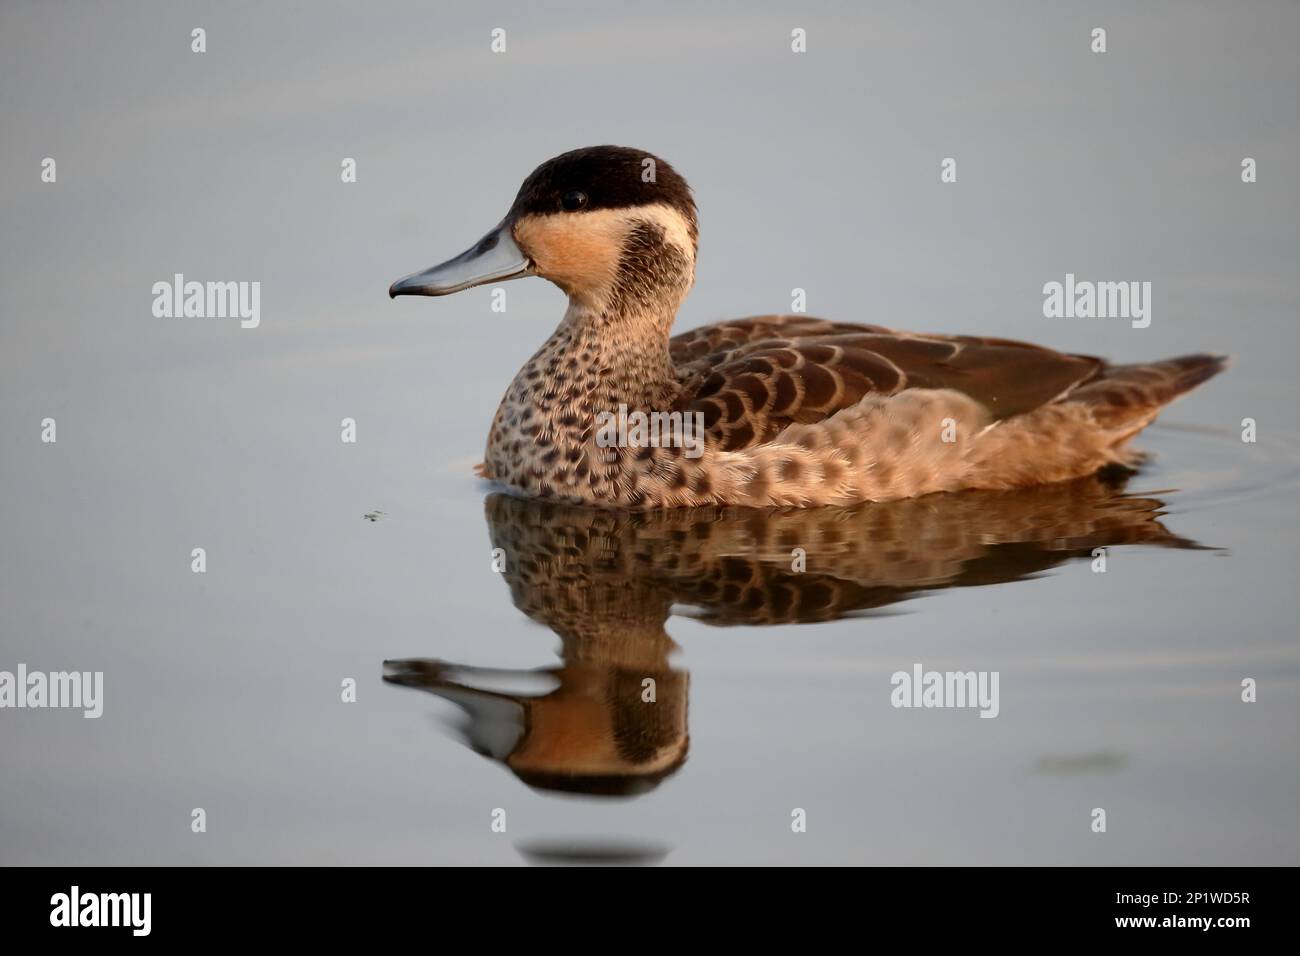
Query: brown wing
(751, 378)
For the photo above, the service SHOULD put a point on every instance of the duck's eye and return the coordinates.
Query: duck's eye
(573, 200)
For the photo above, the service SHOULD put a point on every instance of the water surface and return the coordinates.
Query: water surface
(521, 690)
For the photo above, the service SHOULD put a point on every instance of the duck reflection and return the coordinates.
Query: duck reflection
(611, 719)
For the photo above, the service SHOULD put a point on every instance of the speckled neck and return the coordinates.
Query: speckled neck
(543, 432)
(594, 362)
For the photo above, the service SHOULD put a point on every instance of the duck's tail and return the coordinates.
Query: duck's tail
(1124, 399)
(1090, 427)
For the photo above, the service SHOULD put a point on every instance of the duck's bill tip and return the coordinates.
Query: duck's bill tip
(433, 281)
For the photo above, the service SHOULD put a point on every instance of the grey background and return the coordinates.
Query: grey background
(818, 171)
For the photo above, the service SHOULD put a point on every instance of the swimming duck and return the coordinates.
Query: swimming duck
(795, 411)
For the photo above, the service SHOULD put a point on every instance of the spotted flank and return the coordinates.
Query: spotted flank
(793, 410)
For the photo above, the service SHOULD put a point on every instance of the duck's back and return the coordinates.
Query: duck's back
(754, 377)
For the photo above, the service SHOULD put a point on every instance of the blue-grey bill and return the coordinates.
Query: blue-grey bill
(494, 258)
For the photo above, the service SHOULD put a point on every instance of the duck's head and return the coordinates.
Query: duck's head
(613, 227)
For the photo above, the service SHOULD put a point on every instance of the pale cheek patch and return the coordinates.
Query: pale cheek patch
(578, 252)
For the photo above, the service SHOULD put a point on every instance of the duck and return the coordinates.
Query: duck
(782, 410)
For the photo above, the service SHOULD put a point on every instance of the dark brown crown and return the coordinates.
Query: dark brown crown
(613, 177)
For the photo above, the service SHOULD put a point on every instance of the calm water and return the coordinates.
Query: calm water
(519, 690)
